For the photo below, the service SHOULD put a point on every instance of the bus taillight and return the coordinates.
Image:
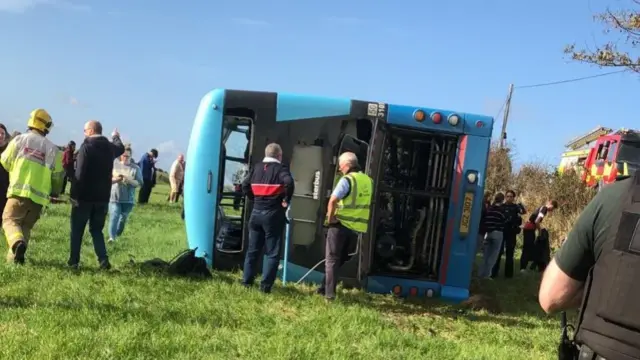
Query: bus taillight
(436, 118)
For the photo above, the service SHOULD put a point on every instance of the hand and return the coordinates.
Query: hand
(333, 220)
(285, 204)
(115, 132)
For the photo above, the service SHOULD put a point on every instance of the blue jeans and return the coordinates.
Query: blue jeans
(118, 215)
(265, 231)
(95, 214)
(490, 252)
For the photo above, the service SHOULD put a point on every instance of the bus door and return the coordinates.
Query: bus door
(236, 145)
(366, 242)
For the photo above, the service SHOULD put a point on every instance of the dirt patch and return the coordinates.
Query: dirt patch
(482, 302)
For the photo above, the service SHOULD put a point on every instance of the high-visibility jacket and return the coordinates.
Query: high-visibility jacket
(353, 210)
(34, 164)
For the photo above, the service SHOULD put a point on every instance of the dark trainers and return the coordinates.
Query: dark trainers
(18, 252)
(105, 265)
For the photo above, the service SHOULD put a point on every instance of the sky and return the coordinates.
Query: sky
(143, 66)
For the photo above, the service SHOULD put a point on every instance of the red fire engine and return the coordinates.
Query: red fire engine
(602, 154)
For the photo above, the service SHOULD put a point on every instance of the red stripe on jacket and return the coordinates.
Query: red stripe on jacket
(267, 189)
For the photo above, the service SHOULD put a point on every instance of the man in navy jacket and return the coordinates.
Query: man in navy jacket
(148, 167)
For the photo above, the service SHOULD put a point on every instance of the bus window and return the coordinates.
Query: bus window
(613, 149)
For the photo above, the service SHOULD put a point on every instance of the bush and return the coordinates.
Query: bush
(535, 184)
(162, 177)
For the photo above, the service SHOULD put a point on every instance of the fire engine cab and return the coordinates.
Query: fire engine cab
(602, 154)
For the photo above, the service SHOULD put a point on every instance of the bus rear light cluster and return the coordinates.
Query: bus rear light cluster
(436, 117)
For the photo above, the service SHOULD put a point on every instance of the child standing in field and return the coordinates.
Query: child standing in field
(126, 177)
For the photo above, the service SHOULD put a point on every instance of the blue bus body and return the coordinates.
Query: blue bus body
(428, 167)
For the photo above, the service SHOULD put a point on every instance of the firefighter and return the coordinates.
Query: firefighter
(347, 216)
(34, 164)
(596, 269)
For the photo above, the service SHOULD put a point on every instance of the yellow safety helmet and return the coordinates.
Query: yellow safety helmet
(40, 120)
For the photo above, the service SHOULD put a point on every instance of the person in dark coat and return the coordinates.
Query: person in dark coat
(4, 175)
(148, 167)
(68, 163)
(91, 191)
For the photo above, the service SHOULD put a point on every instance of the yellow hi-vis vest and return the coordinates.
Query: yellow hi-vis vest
(34, 165)
(354, 209)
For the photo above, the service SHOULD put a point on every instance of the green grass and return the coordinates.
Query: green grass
(50, 312)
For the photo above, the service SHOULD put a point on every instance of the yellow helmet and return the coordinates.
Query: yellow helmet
(40, 120)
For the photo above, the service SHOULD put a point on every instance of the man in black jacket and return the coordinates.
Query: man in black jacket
(270, 186)
(91, 189)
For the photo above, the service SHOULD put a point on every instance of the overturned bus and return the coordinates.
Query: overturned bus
(428, 168)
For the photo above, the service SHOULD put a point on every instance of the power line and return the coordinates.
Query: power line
(570, 80)
(500, 111)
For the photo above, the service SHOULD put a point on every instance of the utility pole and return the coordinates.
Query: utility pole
(505, 118)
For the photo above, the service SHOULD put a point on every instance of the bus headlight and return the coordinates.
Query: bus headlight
(472, 177)
(453, 119)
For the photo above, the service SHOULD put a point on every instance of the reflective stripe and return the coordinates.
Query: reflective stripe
(354, 219)
(13, 238)
(29, 188)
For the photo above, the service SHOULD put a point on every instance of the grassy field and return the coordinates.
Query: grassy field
(50, 312)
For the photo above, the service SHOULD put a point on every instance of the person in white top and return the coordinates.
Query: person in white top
(176, 176)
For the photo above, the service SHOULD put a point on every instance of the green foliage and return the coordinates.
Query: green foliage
(537, 183)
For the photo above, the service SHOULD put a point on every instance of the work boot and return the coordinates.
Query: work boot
(19, 248)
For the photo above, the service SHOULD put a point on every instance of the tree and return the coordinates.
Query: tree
(239, 175)
(613, 54)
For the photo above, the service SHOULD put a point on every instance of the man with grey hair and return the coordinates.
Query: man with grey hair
(270, 186)
(348, 214)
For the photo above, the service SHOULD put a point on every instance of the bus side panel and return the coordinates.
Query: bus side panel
(201, 174)
(460, 249)
(304, 107)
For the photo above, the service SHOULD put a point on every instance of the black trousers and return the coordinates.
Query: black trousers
(95, 214)
(145, 192)
(508, 249)
(528, 248)
(336, 254)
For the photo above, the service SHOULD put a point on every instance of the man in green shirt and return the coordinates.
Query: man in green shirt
(599, 259)
(564, 279)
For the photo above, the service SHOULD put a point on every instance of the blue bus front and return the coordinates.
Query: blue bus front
(427, 164)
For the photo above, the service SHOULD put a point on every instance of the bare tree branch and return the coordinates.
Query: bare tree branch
(627, 23)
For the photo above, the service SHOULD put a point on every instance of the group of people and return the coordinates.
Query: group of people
(102, 176)
(500, 224)
(270, 185)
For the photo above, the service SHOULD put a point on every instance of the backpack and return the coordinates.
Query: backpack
(188, 264)
(185, 264)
